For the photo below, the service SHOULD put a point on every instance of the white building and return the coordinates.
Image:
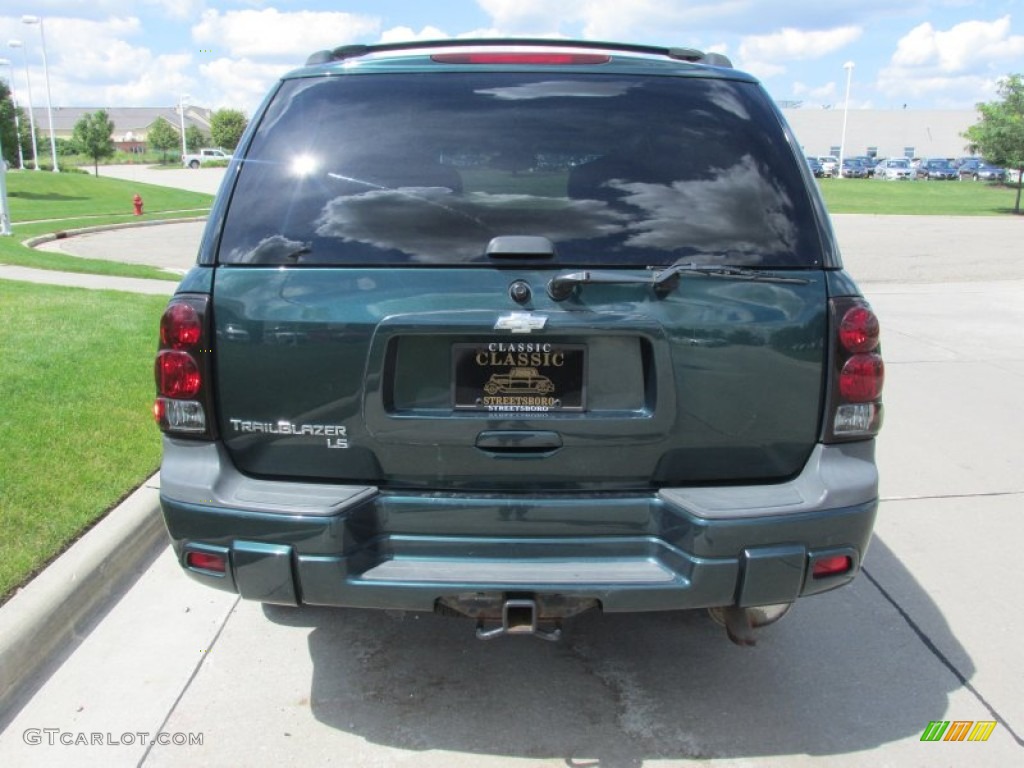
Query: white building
(883, 132)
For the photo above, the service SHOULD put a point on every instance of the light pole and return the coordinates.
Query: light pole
(14, 103)
(46, 74)
(181, 116)
(848, 66)
(31, 118)
(5, 216)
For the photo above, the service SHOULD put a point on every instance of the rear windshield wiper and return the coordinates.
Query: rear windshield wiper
(664, 282)
(727, 271)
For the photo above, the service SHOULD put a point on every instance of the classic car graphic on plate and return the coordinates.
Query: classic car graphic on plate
(519, 380)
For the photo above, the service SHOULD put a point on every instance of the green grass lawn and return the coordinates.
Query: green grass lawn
(921, 198)
(51, 202)
(76, 386)
(33, 196)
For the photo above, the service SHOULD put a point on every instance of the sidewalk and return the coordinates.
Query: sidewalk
(94, 282)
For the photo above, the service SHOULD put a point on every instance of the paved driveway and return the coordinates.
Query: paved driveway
(198, 180)
(170, 246)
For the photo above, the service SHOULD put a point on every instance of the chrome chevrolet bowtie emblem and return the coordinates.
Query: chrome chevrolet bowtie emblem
(520, 322)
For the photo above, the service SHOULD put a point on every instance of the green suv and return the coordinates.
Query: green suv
(517, 329)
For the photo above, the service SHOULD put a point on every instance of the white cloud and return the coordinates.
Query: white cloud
(88, 48)
(177, 9)
(159, 83)
(959, 48)
(604, 19)
(269, 32)
(94, 63)
(823, 93)
(791, 44)
(954, 67)
(401, 34)
(235, 83)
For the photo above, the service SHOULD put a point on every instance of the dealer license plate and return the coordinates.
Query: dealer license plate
(519, 377)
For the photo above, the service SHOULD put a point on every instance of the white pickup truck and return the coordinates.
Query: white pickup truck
(204, 156)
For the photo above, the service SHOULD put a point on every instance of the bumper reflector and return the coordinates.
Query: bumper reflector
(831, 566)
(206, 561)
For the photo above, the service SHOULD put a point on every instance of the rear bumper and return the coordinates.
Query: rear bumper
(294, 543)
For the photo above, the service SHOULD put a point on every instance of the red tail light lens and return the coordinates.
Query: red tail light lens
(514, 57)
(861, 379)
(854, 403)
(177, 375)
(858, 330)
(180, 327)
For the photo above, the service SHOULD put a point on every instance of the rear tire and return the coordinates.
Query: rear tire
(194, 164)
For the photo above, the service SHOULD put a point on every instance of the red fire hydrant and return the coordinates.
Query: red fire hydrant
(137, 202)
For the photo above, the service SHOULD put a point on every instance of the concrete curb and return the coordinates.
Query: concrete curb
(48, 613)
(32, 242)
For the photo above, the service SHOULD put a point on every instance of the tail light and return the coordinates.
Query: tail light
(184, 404)
(522, 57)
(858, 373)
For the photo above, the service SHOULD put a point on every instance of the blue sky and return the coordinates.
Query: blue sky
(926, 54)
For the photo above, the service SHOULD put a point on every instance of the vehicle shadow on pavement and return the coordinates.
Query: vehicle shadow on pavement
(844, 672)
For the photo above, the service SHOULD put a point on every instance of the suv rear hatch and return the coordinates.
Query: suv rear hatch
(451, 278)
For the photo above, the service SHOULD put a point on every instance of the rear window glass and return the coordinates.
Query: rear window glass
(425, 169)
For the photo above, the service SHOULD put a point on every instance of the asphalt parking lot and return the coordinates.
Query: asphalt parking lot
(929, 631)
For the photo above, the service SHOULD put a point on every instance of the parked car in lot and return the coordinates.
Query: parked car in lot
(852, 169)
(867, 163)
(829, 164)
(978, 170)
(410, 373)
(205, 156)
(816, 167)
(937, 169)
(894, 169)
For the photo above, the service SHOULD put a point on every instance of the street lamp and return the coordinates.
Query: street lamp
(5, 216)
(31, 118)
(46, 74)
(848, 66)
(14, 103)
(181, 117)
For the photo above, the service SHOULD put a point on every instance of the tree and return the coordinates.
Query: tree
(162, 137)
(999, 135)
(195, 139)
(93, 135)
(226, 127)
(8, 134)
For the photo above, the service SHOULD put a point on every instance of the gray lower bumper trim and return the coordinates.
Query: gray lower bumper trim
(834, 476)
(203, 474)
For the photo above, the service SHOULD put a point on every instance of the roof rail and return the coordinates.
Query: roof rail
(691, 55)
